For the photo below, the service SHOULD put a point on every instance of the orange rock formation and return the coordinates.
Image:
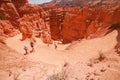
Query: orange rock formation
(65, 23)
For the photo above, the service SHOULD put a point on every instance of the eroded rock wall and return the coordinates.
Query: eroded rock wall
(66, 23)
(27, 18)
(87, 22)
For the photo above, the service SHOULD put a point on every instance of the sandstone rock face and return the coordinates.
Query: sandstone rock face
(8, 13)
(19, 3)
(9, 10)
(85, 22)
(32, 23)
(28, 18)
(54, 25)
(6, 28)
(29, 9)
(26, 30)
(46, 37)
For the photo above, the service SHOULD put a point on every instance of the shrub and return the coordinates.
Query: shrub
(101, 57)
(57, 76)
(2, 17)
(115, 26)
(15, 76)
(62, 75)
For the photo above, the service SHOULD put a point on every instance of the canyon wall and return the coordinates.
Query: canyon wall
(79, 23)
(64, 23)
(89, 22)
(24, 17)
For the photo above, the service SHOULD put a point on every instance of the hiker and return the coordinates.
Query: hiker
(32, 46)
(55, 44)
(48, 44)
(26, 50)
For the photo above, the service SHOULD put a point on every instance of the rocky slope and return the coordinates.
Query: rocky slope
(25, 17)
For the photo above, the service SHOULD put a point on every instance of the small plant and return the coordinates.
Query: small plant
(62, 75)
(115, 26)
(117, 48)
(101, 57)
(58, 76)
(90, 64)
(2, 17)
(16, 76)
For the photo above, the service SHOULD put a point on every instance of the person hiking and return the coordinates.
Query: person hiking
(55, 44)
(26, 50)
(32, 46)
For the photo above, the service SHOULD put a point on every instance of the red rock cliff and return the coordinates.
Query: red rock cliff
(66, 23)
(28, 18)
(84, 22)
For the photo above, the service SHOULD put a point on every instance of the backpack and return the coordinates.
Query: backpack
(25, 47)
(31, 44)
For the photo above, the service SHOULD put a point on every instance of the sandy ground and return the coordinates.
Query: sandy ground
(42, 52)
(82, 56)
(82, 51)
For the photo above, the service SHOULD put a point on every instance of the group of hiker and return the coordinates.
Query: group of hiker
(32, 46)
(26, 48)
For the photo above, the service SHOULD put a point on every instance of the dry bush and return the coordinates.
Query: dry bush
(2, 17)
(115, 25)
(57, 76)
(100, 58)
(15, 76)
(62, 75)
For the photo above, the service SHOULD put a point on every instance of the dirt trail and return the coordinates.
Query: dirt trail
(42, 51)
(82, 51)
